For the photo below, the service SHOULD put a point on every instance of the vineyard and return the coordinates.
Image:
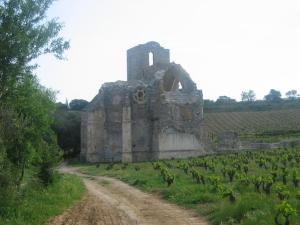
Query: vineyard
(276, 121)
(261, 188)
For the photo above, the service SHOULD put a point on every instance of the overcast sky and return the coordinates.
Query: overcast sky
(227, 46)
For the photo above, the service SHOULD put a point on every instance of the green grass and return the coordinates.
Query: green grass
(38, 204)
(250, 207)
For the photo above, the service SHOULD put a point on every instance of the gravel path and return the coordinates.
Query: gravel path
(112, 202)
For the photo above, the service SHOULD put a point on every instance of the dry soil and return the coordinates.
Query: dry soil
(112, 202)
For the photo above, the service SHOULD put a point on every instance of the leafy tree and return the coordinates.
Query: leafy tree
(292, 94)
(61, 106)
(208, 102)
(273, 96)
(248, 96)
(67, 128)
(78, 104)
(49, 158)
(28, 125)
(25, 34)
(225, 99)
(26, 109)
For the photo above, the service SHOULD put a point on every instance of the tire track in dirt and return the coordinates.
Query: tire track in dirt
(112, 202)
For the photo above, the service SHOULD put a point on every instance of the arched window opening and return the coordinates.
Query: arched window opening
(151, 59)
(180, 86)
(172, 83)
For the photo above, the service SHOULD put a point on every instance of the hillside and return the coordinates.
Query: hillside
(279, 122)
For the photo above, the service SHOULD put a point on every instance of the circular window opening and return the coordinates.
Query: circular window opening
(140, 96)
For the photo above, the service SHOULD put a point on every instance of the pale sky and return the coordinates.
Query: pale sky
(227, 46)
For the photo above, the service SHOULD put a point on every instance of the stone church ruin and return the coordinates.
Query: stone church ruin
(156, 114)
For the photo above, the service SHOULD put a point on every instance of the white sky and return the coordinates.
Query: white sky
(227, 46)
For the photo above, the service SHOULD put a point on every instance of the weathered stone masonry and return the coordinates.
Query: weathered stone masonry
(156, 114)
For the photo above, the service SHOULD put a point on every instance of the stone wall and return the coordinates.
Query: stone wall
(93, 136)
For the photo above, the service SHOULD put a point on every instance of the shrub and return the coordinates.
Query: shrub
(7, 184)
(50, 158)
(231, 172)
(298, 194)
(228, 192)
(257, 181)
(137, 168)
(167, 176)
(282, 192)
(124, 166)
(284, 210)
(110, 166)
(267, 183)
(8, 192)
(296, 179)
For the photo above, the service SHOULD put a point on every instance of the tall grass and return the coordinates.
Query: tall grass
(38, 204)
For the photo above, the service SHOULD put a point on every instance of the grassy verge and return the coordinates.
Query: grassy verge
(38, 205)
(250, 206)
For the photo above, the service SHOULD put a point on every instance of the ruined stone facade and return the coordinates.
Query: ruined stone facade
(156, 114)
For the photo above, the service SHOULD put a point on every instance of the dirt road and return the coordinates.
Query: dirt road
(112, 202)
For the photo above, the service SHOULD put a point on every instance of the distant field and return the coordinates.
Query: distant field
(275, 121)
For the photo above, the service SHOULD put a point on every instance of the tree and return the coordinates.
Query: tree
(78, 104)
(225, 99)
(248, 96)
(24, 35)
(67, 128)
(273, 96)
(292, 94)
(26, 109)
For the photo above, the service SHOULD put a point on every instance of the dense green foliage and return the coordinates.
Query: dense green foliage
(78, 104)
(225, 100)
(41, 204)
(273, 96)
(67, 128)
(239, 188)
(292, 94)
(24, 35)
(26, 108)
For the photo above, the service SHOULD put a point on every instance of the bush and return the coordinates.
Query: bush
(7, 184)
(46, 173)
(49, 160)
(284, 210)
(8, 193)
